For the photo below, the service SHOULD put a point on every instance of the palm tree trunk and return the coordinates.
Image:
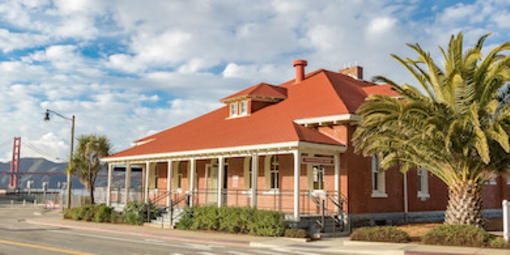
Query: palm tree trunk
(464, 204)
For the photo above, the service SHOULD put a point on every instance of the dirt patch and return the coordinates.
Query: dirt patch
(416, 230)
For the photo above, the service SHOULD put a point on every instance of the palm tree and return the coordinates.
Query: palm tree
(86, 162)
(457, 128)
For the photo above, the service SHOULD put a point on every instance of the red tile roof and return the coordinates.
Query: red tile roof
(260, 90)
(322, 93)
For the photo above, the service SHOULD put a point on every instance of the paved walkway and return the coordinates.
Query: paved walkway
(334, 245)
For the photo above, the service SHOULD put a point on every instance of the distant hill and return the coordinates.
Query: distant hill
(44, 165)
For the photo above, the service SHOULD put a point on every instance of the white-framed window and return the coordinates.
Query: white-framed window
(318, 177)
(492, 181)
(508, 180)
(233, 109)
(423, 183)
(378, 179)
(180, 172)
(274, 172)
(243, 108)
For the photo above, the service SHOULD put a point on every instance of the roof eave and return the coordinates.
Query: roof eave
(236, 151)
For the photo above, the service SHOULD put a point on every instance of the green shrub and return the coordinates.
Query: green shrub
(498, 242)
(234, 220)
(186, 219)
(102, 213)
(96, 213)
(456, 235)
(296, 233)
(267, 223)
(380, 234)
(137, 212)
(68, 213)
(116, 217)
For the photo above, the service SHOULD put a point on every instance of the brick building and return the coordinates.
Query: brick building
(287, 148)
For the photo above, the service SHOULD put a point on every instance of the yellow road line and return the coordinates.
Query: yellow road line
(42, 247)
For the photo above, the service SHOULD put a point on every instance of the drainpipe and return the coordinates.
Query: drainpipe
(406, 200)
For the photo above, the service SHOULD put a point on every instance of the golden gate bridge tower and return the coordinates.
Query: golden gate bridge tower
(13, 173)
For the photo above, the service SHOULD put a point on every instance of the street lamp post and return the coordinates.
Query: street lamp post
(69, 176)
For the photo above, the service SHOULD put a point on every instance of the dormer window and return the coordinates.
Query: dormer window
(233, 109)
(243, 107)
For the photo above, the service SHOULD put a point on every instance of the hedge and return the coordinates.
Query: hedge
(137, 212)
(96, 213)
(457, 235)
(233, 220)
(380, 234)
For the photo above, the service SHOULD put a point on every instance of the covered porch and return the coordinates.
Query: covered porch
(297, 178)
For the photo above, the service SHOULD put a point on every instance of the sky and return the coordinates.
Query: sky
(127, 69)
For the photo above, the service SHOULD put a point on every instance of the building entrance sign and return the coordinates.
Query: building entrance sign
(319, 160)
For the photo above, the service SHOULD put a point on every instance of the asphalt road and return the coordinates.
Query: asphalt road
(18, 237)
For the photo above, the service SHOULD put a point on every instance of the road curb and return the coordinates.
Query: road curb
(144, 234)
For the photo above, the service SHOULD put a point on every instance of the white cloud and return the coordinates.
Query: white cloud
(12, 41)
(129, 68)
(381, 25)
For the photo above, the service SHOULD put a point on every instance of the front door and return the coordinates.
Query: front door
(211, 191)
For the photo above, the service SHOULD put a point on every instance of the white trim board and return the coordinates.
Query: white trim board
(328, 119)
(237, 151)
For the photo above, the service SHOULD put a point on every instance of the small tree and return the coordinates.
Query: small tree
(90, 150)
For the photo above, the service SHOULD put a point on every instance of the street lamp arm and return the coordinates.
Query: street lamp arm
(58, 114)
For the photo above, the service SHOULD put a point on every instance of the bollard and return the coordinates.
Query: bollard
(35, 203)
(506, 220)
(24, 202)
(12, 202)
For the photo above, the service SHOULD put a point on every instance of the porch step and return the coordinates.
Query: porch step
(166, 221)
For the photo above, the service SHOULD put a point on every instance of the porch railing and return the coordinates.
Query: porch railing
(274, 200)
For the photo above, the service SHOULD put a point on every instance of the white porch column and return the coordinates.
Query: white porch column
(297, 173)
(254, 174)
(147, 169)
(169, 182)
(337, 181)
(221, 169)
(192, 180)
(109, 187)
(127, 182)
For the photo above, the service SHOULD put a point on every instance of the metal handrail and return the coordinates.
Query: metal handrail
(324, 210)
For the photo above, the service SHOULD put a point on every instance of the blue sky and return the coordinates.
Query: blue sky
(127, 69)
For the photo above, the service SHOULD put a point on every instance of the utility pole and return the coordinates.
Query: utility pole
(69, 176)
(70, 170)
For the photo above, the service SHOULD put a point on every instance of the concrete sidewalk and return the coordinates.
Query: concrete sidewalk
(340, 245)
(343, 245)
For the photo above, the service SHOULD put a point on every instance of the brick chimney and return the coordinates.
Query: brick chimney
(355, 72)
(300, 64)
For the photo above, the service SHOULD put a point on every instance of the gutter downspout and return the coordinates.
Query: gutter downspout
(406, 200)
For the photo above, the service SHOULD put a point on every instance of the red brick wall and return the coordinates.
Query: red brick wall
(355, 184)
(437, 190)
